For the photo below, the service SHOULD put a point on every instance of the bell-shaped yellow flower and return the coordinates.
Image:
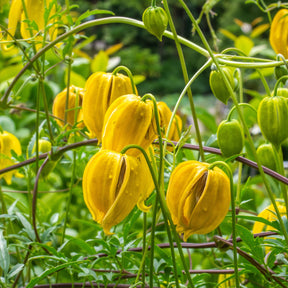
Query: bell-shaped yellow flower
(198, 197)
(8, 142)
(269, 214)
(129, 120)
(165, 116)
(74, 106)
(35, 12)
(113, 184)
(279, 33)
(101, 89)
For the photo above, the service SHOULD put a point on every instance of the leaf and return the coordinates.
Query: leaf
(264, 71)
(113, 49)
(259, 30)
(100, 62)
(75, 79)
(4, 255)
(47, 272)
(15, 270)
(9, 72)
(207, 119)
(27, 226)
(90, 13)
(244, 44)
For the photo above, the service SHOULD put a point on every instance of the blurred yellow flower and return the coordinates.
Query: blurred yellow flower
(8, 142)
(198, 197)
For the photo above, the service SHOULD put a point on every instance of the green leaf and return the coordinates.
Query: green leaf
(27, 226)
(15, 270)
(4, 255)
(249, 113)
(100, 62)
(207, 119)
(47, 272)
(75, 79)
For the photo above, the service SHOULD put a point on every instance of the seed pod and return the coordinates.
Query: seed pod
(266, 156)
(8, 142)
(129, 120)
(101, 89)
(59, 106)
(198, 198)
(230, 137)
(273, 118)
(279, 33)
(165, 116)
(218, 86)
(113, 184)
(155, 20)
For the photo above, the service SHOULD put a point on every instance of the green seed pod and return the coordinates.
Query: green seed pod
(230, 137)
(218, 86)
(272, 117)
(280, 71)
(155, 20)
(266, 156)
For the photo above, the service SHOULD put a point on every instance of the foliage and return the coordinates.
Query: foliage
(49, 237)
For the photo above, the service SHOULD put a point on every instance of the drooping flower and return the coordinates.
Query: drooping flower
(113, 184)
(198, 197)
(129, 120)
(35, 12)
(165, 116)
(279, 32)
(101, 89)
(8, 142)
(74, 106)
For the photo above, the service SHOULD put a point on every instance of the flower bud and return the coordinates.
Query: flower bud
(101, 89)
(198, 197)
(230, 137)
(165, 116)
(129, 120)
(8, 142)
(279, 33)
(218, 85)
(155, 20)
(43, 146)
(74, 106)
(113, 184)
(272, 119)
(266, 156)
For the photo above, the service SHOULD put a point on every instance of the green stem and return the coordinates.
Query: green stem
(123, 68)
(233, 212)
(280, 167)
(277, 84)
(186, 78)
(68, 88)
(68, 204)
(246, 130)
(265, 84)
(239, 105)
(280, 57)
(153, 3)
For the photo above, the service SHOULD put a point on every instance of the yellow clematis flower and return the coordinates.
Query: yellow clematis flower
(165, 116)
(279, 33)
(269, 214)
(113, 184)
(101, 89)
(35, 12)
(198, 197)
(59, 105)
(8, 142)
(129, 120)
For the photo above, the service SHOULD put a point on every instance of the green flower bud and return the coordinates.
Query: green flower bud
(230, 137)
(266, 156)
(155, 20)
(218, 85)
(273, 118)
